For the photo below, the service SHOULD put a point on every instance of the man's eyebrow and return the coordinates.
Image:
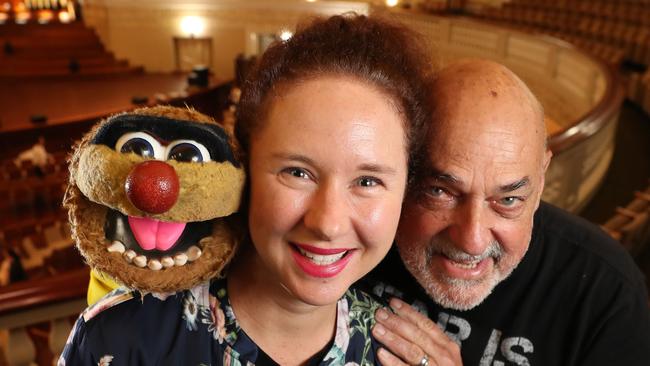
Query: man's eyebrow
(515, 185)
(445, 177)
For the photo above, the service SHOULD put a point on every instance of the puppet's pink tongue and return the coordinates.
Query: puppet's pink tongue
(154, 234)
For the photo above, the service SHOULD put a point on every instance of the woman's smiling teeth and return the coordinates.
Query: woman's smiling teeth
(320, 259)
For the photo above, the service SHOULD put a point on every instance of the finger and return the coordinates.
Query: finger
(421, 321)
(386, 358)
(405, 350)
(409, 313)
(430, 341)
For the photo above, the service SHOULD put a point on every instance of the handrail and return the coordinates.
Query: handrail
(593, 121)
(42, 292)
(81, 118)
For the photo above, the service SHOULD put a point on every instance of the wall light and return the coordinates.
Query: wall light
(391, 3)
(192, 25)
(285, 35)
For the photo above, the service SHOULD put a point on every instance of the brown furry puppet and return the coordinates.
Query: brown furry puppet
(148, 195)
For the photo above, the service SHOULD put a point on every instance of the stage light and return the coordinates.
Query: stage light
(192, 25)
(391, 3)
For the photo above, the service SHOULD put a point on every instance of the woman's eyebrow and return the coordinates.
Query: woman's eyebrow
(377, 168)
(293, 157)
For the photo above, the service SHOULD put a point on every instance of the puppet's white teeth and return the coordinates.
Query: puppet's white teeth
(167, 262)
(193, 253)
(116, 247)
(154, 264)
(140, 261)
(180, 259)
(129, 255)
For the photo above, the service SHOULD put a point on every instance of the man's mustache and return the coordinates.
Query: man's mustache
(443, 246)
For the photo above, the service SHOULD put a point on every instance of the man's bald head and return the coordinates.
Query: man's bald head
(467, 221)
(481, 92)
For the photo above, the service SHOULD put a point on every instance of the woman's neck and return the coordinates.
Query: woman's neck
(285, 328)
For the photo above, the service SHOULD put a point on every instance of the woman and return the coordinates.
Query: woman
(326, 122)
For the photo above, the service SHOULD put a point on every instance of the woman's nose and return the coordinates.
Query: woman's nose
(328, 214)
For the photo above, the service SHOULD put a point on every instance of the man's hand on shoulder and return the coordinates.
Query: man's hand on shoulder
(410, 338)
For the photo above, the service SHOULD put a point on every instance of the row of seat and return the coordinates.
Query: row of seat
(628, 11)
(33, 223)
(638, 89)
(632, 39)
(33, 50)
(631, 224)
(39, 242)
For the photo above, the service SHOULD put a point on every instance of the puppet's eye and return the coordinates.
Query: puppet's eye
(187, 151)
(139, 143)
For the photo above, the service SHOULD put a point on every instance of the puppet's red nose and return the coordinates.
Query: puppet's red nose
(152, 186)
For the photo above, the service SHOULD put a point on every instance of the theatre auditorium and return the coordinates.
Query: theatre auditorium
(66, 64)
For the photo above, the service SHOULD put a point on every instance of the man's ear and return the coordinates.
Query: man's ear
(547, 159)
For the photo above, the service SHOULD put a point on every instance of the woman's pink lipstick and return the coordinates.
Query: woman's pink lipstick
(321, 270)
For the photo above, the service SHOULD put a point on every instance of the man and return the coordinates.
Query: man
(510, 280)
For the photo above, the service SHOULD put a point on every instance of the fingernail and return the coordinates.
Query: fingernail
(382, 314)
(381, 352)
(395, 303)
(379, 329)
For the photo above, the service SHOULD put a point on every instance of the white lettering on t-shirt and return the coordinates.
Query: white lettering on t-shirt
(507, 350)
(464, 329)
(512, 349)
(491, 348)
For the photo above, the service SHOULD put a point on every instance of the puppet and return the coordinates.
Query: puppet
(150, 195)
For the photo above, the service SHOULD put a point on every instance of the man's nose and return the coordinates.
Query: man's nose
(327, 215)
(470, 231)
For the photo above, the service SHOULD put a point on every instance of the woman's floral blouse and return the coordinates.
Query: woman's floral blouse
(198, 327)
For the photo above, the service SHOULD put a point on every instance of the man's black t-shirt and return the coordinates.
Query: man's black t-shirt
(577, 298)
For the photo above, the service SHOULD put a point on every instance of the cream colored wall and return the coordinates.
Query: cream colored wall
(567, 82)
(142, 32)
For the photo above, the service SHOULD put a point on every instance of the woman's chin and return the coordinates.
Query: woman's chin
(318, 293)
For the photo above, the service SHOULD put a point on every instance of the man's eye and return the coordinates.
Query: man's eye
(368, 182)
(509, 201)
(436, 191)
